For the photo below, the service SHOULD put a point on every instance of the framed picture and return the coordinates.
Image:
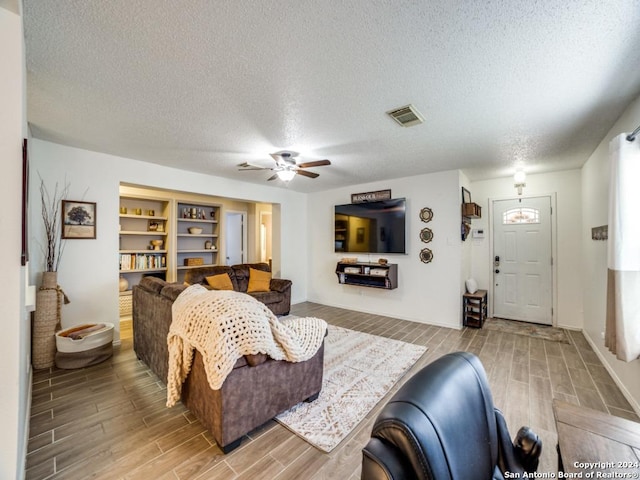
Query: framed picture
(78, 220)
(466, 195)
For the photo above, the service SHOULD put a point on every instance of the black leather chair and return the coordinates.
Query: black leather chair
(442, 424)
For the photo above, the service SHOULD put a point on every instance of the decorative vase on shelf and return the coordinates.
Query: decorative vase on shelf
(46, 321)
(123, 284)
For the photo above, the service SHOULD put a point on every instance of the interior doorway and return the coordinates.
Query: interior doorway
(235, 235)
(523, 260)
(266, 226)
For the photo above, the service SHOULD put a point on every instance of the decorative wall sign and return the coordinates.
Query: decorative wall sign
(426, 235)
(426, 214)
(600, 233)
(426, 255)
(371, 196)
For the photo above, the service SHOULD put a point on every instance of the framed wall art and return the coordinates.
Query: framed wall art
(466, 195)
(78, 220)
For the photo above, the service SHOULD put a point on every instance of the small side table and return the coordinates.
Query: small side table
(474, 308)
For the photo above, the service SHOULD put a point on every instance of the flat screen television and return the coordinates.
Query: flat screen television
(371, 227)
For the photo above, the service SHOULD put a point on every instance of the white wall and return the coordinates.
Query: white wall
(14, 341)
(428, 293)
(595, 192)
(567, 224)
(88, 270)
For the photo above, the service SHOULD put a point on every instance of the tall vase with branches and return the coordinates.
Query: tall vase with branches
(49, 298)
(52, 219)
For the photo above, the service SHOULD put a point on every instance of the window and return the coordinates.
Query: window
(521, 215)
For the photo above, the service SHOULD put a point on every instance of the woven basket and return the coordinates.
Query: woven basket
(193, 262)
(126, 304)
(46, 320)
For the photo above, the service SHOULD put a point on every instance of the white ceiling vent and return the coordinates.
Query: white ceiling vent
(406, 116)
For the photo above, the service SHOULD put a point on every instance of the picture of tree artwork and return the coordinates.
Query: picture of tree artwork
(78, 220)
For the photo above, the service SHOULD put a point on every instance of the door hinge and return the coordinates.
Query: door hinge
(551, 260)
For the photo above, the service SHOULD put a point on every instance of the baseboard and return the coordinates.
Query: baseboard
(22, 467)
(374, 312)
(632, 401)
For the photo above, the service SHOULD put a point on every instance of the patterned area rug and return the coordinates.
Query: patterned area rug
(516, 327)
(359, 369)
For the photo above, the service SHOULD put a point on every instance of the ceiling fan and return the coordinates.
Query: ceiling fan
(286, 167)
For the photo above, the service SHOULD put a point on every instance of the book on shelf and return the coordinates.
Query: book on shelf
(142, 261)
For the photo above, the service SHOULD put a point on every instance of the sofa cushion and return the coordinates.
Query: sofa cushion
(268, 298)
(241, 272)
(153, 284)
(222, 281)
(258, 281)
(199, 275)
(172, 290)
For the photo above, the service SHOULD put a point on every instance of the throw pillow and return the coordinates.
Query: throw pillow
(220, 282)
(472, 285)
(259, 281)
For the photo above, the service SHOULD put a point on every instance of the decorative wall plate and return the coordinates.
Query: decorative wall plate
(426, 255)
(426, 235)
(426, 214)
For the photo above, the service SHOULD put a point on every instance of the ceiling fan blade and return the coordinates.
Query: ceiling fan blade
(304, 173)
(272, 177)
(317, 163)
(248, 166)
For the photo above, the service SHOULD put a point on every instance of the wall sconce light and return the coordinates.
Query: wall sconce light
(286, 175)
(519, 180)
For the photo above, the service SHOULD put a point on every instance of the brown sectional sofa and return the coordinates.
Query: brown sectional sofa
(255, 391)
(278, 299)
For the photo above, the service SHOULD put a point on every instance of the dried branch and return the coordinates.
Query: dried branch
(52, 219)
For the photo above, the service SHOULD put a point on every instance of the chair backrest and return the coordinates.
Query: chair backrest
(443, 421)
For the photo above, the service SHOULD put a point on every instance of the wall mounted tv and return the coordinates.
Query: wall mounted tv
(371, 227)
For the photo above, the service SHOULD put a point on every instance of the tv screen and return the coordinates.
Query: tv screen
(371, 227)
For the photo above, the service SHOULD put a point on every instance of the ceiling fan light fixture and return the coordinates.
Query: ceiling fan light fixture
(520, 180)
(406, 116)
(286, 175)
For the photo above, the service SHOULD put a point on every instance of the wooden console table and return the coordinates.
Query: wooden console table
(593, 441)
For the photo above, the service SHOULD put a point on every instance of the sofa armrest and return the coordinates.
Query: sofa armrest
(280, 285)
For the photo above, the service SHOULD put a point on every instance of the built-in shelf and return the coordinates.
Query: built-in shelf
(471, 210)
(374, 275)
(203, 245)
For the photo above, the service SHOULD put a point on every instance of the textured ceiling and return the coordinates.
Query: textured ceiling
(205, 85)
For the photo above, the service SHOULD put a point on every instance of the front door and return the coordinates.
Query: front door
(522, 259)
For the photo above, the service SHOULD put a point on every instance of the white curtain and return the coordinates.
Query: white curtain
(622, 331)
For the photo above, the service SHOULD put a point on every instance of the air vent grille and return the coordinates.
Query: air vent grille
(406, 116)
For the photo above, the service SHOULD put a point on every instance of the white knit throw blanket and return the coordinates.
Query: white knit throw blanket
(223, 326)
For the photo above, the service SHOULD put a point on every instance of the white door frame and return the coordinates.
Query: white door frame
(554, 250)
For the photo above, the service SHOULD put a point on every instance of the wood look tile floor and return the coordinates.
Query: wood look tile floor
(110, 422)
